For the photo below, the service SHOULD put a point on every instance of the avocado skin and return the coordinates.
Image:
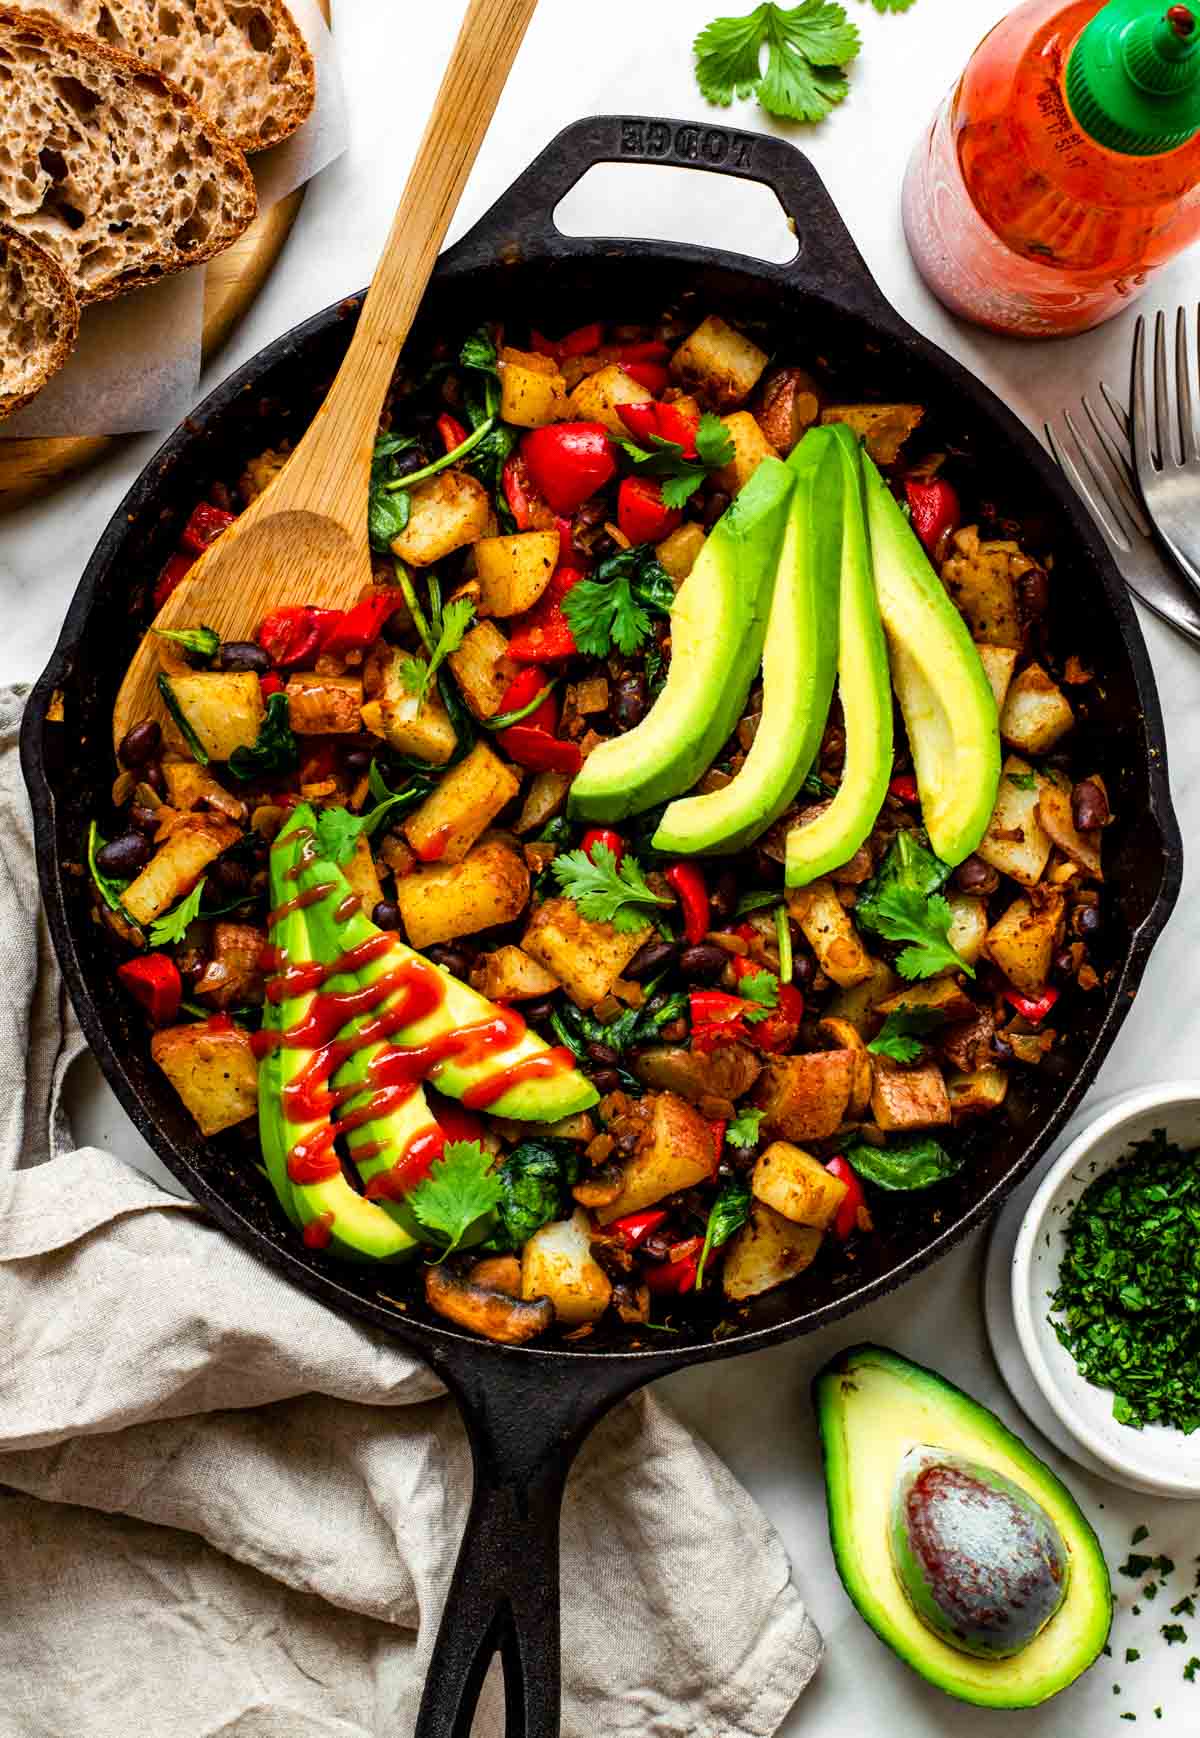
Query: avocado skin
(872, 1406)
(718, 625)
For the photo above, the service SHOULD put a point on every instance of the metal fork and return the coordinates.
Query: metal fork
(1168, 466)
(1095, 455)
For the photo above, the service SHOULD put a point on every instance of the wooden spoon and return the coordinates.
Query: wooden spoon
(304, 540)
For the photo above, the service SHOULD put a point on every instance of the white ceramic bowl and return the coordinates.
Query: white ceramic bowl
(1157, 1458)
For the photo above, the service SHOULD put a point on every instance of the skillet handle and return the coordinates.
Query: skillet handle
(521, 223)
(526, 1417)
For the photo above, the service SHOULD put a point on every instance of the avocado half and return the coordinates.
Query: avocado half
(877, 1411)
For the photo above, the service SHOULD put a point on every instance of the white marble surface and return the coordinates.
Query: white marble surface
(633, 57)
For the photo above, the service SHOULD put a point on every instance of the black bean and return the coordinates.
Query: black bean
(1001, 1049)
(705, 962)
(627, 1144)
(145, 820)
(1086, 919)
(153, 775)
(538, 1013)
(451, 959)
(1089, 805)
(631, 700)
(405, 463)
(604, 546)
(651, 959)
(356, 759)
(975, 876)
(397, 629)
(1033, 593)
(1064, 963)
(230, 876)
(803, 968)
(124, 856)
(605, 1079)
(243, 655)
(604, 1054)
(724, 894)
(715, 506)
(386, 915)
(141, 743)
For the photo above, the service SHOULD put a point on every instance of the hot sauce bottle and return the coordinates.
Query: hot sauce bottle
(1064, 168)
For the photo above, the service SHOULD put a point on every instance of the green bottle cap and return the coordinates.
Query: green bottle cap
(1133, 78)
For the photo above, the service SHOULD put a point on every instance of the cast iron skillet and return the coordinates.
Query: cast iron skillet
(528, 1410)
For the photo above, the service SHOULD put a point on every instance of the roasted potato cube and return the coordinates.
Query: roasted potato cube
(804, 1098)
(936, 996)
(905, 1099)
(489, 886)
(981, 578)
(977, 1093)
(884, 428)
(421, 728)
(482, 670)
(675, 1152)
(591, 695)
(678, 553)
(363, 876)
(788, 404)
(766, 1252)
(189, 785)
(998, 662)
(750, 448)
(261, 472)
(795, 1184)
(830, 932)
(557, 1263)
(1058, 818)
(587, 957)
(857, 1005)
(1036, 712)
(513, 572)
(719, 363)
(598, 397)
(214, 1073)
(509, 974)
(195, 842)
(532, 391)
(233, 974)
(1016, 843)
(448, 512)
(324, 705)
(1023, 940)
(463, 806)
(968, 925)
(224, 710)
(545, 796)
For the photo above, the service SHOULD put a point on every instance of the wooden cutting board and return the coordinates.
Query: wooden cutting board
(29, 468)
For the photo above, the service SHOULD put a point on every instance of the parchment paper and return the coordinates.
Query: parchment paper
(137, 363)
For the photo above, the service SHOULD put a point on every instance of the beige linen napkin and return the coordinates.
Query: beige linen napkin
(231, 1511)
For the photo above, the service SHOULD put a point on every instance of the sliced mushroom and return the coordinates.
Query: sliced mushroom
(510, 1320)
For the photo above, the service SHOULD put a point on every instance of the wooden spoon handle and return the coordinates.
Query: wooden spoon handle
(330, 470)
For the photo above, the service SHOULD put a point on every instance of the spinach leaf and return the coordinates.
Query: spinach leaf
(417, 786)
(387, 514)
(908, 867)
(728, 1214)
(460, 717)
(534, 1180)
(276, 749)
(915, 1164)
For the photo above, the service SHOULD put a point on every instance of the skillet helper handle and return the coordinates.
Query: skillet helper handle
(522, 220)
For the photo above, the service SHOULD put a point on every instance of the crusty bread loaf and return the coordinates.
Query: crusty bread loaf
(39, 319)
(244, 61)
(111, 167)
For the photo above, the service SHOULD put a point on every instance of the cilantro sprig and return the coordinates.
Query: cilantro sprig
(203, 643)
(743, 1130)
(729, 1212)
(616, 606)
(451, 626)
(808, 48)
(901, 1034)
(903, 914)
(761, 991)
(460, 1189)
(172, 926)
(604, 892)
(679, 477)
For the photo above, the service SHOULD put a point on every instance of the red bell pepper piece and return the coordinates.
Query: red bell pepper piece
(539, 751)
(779, 1030)
(1032, 1008)
(176, 568)
(451, 431)
(904, 786)
(295, 634)
(525, 686)
(641, 514)
(935, 510)
(154, 981)
(690, 888)
(717, 1018)
(543, 634)
(204, 527)
(652, 375)
(568, 462)
(270, 684)
(514, 480)
(634, 1228)
(603, 836)
(582, 341)
(847, 1220)
(362, 624)
(666, 421)
(456, 1123)
(648, 351)
(677, 1276)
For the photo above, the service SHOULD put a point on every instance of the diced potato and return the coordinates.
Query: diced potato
(214, 1073)
(719, 363)
(420, 728)
(788, 404)
(795, 1184)
(532, 391)
(545, 796)
(767, 1251)
(448, 512)
(195, 842)
(557, 1262)
(509, 974)
(1016, 843)
(1023, 940)
(830, 932)
(676, 1152)
(905, 1099)
(463, 806)
(260, 472)
(976, 1094)
(883, 427)
(857, 1005)
(968, 925)
(750, 448)
(587, 957)
(513, 572)
(1036, 712)
(935, 996)
(324, 705)
(1058, 818)
(482, 670)
(590, 695)
(981, 578)
(804, 1098)
(223, 708)
(363, 876)
(598, 398)
(233, 974)
(489, 886)
(678, 553)
(189, 785)
(998, 662)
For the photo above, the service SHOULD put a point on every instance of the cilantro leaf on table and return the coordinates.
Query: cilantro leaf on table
(761, 990)
(172, 925)
(603, 892)
(901, 914)
(417, 673)
(274, 750)
(614, 607)
(679, 477)
(460, 1189)
(729, 1212)
(900, 1035)
(743, 1130)
(808, 46)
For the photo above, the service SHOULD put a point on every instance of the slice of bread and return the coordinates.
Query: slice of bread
(244, 61)
(39, 319)
(110, 167)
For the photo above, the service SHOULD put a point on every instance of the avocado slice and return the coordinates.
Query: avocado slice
(799, 662)
(865, 688)
(718, 623)
(1044, 1584)
(948, 704)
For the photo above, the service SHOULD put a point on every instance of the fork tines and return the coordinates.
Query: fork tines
(1098, 466)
